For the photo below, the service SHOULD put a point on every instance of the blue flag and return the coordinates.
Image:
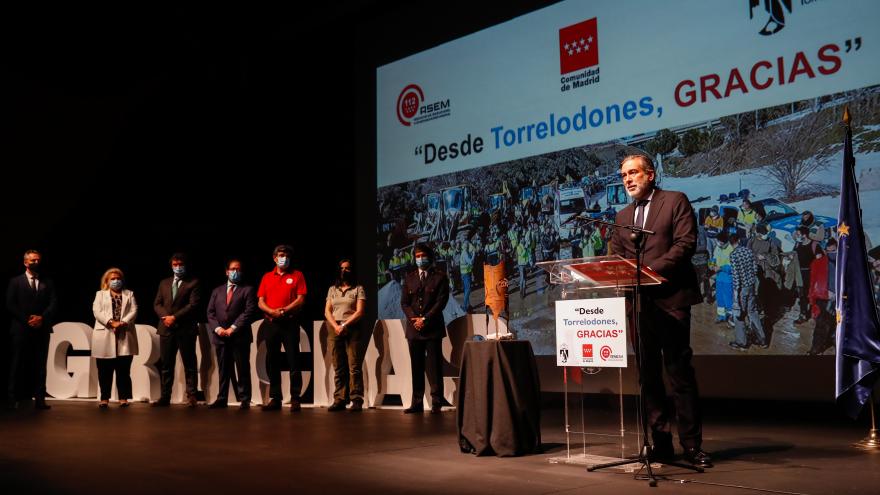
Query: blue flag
(858, 327)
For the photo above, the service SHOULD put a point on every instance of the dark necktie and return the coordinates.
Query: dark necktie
(422, 277)
(34, 284)
(175, 284)
(640, 212)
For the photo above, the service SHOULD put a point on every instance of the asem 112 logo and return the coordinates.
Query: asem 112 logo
(412, 107)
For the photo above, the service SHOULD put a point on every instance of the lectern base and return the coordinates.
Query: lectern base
(588, 460)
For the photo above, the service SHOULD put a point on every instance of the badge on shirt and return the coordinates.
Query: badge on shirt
(289, 281)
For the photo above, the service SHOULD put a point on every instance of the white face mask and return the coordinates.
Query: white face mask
(282, 262)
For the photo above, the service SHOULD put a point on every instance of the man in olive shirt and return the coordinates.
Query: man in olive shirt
(344, 308)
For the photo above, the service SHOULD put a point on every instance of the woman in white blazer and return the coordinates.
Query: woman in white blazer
(114, 341)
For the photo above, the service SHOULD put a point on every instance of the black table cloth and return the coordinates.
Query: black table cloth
(499, 399)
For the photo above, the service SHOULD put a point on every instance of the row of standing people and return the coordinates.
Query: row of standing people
(233, 306)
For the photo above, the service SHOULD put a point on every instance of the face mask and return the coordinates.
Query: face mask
(423, 262)
(179, 270)
(832, 256)
(116, 284)
(282, 262)
(345, 275)
(34, 268)
(234, 276)
(764, 237)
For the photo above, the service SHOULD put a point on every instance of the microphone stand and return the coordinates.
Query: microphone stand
(637, 236)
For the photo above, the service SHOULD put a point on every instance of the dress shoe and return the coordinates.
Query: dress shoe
(295, 406)
(273, 405)
(41, 405)
(698, 458)
(356, 406)
(124, 403)
(192, 402)
(336, 406)
(104, 404)
(436, 409)
(218, 404)
(163, 402)
(414, 410)
(245, 405)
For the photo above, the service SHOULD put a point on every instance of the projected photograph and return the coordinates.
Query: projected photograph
(772, 176)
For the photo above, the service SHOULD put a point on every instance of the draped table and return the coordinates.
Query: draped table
(499, 399)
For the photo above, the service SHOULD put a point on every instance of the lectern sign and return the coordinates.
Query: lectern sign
(591, 332)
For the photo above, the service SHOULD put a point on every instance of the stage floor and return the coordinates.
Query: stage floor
(76, 448)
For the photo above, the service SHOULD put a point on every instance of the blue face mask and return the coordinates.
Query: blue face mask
(423, 262)
(234, 276)
(179, 270)
(282, 262)
(116, 284)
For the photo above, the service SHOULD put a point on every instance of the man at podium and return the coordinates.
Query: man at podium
(665, 318)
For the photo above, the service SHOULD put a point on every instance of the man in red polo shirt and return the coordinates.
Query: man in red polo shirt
(281, 296)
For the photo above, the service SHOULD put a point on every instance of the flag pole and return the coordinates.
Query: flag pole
(871, 442)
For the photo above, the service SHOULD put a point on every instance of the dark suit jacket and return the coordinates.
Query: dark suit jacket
(22, 303)
(426, 300)
(240, 312)
(669, 251)
(184, 307)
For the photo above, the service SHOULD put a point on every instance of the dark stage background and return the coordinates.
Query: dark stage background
(128, 134)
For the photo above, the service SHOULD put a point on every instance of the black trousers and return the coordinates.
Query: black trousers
(122, 366)
(234, 355)
(426, 355)
(666, 342)
(286, 333)
(348, 359)
(804, 294)
(184, 340)
(27, 368)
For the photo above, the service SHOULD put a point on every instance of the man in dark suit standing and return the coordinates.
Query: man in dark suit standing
(665, 318)
(31, 300)
(230, 313)
(176, 304)
(425, 294)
